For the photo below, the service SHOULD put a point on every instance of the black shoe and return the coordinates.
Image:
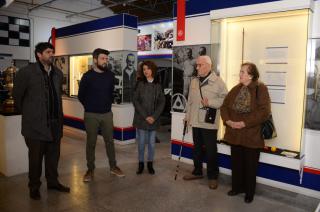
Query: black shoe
(233, 193)
(197, 173)
(140, 168)
(59, 187)
(150, 167)
(35, 194)
(248, 199)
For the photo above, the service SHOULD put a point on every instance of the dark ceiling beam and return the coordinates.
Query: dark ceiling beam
(54, 8)
(98, 8)
(41, 5)
(159, 3)
(86, 11)
(132, 4)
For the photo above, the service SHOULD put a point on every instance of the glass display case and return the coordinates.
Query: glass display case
(79, 65)
(277, 44)
(122, 63)
(312, 111)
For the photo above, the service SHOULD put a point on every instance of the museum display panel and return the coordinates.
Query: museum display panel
(78, 66)
(122, 63)
(277, 44)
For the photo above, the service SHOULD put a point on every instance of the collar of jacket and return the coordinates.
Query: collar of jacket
(42, 70)
(252, 85)
(212, 77)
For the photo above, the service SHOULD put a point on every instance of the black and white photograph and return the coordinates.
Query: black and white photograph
(129, 76)
(312, 113)
(184, 62)
(62, 62)
(115, 65)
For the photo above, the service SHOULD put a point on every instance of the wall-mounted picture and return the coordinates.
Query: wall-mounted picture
(163, 39)
(184, 61)
(62, 62)
(115, 65)
(144, 42)
(129, 75)
(312, 113)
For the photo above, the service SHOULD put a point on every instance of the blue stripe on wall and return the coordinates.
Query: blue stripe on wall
(98, 24)
(204, 6)
(117, 134)
(164, 56)
(268, 171)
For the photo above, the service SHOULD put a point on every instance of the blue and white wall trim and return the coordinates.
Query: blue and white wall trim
(274, 170)
(115, 33)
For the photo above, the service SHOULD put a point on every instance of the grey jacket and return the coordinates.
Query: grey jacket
(148, 100)
(31, 99)
(215, 90)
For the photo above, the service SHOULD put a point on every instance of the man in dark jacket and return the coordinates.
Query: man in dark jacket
(37, 94)
(96, 96)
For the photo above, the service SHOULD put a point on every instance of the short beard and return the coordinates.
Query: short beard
(102, 68)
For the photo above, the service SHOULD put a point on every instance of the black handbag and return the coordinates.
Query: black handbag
(268, 130)
(210, 116)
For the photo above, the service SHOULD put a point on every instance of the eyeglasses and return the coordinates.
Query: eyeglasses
(199, 64)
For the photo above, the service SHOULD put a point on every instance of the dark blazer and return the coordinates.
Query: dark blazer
(148, 100)
(31, 99)
(248, 136)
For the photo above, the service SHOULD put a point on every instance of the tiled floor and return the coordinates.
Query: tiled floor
(138, 193)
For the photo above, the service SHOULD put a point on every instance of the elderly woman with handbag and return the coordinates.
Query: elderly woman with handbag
(244, 110)
(149, 102)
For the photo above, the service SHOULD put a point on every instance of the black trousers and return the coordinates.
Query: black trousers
(244, 162)
(38, 150)
(208, 139)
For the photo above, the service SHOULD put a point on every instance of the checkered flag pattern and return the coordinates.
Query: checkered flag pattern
(14, 31)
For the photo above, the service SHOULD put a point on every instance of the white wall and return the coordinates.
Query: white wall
(197, 31)
(41, 21)
(113, 40)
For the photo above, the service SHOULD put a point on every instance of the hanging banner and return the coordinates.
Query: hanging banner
(53, 37)
(181, 18)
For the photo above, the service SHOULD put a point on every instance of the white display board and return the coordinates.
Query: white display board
(155, 39)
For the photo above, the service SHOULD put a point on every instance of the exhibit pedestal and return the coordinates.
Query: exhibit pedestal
(123, 132)
(13, 150)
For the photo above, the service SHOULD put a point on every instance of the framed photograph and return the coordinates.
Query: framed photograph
(144, 42)
(62, 62)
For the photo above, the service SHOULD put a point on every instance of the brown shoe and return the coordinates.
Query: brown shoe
(213, 184)
(192, 177)
(117, 171)
(88, 177)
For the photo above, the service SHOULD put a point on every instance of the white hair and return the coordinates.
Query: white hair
(207, 59)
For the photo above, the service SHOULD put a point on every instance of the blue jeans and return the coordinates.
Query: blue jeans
(143, 137)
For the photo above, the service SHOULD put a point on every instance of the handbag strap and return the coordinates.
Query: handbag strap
(200, 89)
(203, 83)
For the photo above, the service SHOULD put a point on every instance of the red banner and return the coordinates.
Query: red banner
(181, 19)
(53, 37)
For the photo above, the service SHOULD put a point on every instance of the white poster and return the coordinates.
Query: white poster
(276, 55)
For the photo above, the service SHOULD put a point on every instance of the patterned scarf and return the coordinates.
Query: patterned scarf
(242, 101)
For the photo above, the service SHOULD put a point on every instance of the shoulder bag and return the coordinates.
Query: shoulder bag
(268, 130)
(210, 115)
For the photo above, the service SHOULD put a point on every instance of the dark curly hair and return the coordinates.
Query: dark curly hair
(151, 65)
